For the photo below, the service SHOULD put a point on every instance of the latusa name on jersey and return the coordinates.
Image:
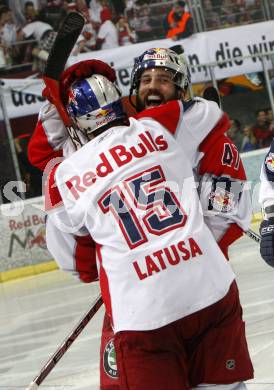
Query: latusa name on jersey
(170, 256)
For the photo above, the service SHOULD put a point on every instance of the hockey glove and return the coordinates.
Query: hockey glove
(267, 241)
(78, 71)
(81, 70)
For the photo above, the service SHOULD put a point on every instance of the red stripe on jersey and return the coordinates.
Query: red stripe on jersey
(232, 234)
(40, 152)
(221, 157)
(219, 129)
(52, 195)
(104, 283)
(167, 115)
(85, 258)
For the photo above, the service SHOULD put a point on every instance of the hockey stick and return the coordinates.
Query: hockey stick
(62, 47)
(254, 236)
(65, 345)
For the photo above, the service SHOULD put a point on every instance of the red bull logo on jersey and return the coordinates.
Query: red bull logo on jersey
(222, 200)
(269, 161)
(114, 158)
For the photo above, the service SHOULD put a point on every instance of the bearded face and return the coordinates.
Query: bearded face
(156, 87)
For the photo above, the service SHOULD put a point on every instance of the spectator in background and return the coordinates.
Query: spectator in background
(44, 34)
(32, 175)
(269, 118)
(235, 134)
(17, 10)
(180, 22)
(126, 36)
(107, 37)
(30, 12)
(89, 34)
(53, 14)
(261, 129)
(8, 31)
(211, 16)
(141, 23)
(119, 6)
(249, 142)
(95, 9)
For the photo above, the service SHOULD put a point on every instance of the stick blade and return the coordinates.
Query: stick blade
(63, 44)
(33, 386)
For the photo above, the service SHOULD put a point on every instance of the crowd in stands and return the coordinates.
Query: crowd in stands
(253, 136)
(227, 13)
(31, 24)
(24, 34)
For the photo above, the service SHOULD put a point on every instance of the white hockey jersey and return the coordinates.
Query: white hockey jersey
(133, 190)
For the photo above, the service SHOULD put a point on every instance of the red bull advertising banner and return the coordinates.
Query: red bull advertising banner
(23, 240)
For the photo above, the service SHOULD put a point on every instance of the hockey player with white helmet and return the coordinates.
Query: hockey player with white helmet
(150, 236)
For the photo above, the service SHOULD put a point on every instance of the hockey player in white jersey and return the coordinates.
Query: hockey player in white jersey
(266, 198)
(127, 188)
(50, 131)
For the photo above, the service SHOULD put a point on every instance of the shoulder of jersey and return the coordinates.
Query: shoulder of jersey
(167, 115)
(221, 158)
(197, 112)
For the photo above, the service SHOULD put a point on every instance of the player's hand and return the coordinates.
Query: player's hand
(79, 71)
(84, 69)
(267, 241)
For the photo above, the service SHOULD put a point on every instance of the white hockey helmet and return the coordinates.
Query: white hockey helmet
(94, 102)
(163, 58)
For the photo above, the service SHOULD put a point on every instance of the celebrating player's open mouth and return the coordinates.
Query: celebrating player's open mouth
(154, 99)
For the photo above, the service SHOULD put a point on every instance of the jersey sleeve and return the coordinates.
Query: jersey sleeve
(223, 189)
(71, 246)
(73, 254)
(48, 138)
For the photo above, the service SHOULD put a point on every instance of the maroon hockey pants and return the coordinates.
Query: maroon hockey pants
(208, 346)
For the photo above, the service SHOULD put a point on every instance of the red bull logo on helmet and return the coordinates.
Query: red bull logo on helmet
(103, 112)
(156, 54)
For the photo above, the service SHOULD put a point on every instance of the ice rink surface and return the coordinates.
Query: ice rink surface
(38, 312)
